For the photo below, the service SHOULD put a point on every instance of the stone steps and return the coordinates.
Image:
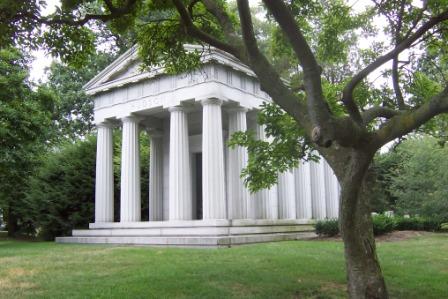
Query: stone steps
(192, 231)
(202, 223)
(187, 241)
(212, 233)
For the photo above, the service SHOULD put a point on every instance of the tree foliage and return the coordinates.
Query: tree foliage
(60, 194)
(73, 115)
(25, 130)
(418, 178)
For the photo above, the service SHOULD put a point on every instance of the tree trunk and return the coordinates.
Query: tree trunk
(11, 223)
(365, 279)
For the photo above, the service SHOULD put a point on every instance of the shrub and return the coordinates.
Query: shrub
(328, 227)
(418, 223)
(432, 225)
(382, 224)
(60, 195)
(413, 223)
(444, 227)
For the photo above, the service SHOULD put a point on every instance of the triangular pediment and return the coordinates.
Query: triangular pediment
(127, 69)
(132, 68)
(124, 67)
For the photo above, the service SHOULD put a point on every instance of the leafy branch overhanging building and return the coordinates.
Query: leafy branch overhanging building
(196, 195)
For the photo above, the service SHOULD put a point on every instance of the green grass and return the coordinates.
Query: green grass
(415, 268)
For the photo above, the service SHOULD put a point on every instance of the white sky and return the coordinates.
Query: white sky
(43, 60)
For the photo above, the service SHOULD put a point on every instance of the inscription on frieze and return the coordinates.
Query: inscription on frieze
(146, 103)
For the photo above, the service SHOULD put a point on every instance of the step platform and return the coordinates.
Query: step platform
(192, 233)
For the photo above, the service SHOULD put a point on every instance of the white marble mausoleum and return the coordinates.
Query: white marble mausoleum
(196, 195)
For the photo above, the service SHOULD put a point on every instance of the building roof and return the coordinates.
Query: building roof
(128, 69)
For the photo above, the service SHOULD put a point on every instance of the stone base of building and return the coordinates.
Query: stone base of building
(194, 233)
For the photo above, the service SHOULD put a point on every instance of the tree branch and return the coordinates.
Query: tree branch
(115, 12)
(222, 17)
(191, 6)
(317, 106)
(395, 73)
(417, 19)
(285, 19)
(268, 77)
(226, 23)
(408, 121)
(199, 34)
(110, 5)
(378, 111)
(396, 84)
(406, 43)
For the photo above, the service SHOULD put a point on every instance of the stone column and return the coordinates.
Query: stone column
(213, 179)
(303, 191)
(318, 190)
(130, 201)
(180, 194)
(286, 196)
(238, 195)
(155, 176)
(104, 183)
(266, 205)
(331, 191)
(265, 201)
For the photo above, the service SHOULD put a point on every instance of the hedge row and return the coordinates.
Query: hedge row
(382, 224)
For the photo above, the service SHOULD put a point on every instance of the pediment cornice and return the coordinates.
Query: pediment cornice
(127, 69)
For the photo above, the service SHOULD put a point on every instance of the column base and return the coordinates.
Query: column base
(194, 233)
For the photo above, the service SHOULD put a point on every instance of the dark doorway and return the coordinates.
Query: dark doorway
(198, 160)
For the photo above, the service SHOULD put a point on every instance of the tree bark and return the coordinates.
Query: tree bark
(364, 275)
(11, 223)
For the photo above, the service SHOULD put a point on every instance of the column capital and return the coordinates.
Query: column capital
(131, 118)
(211, 101)
(154, 133)
(105, 124)
(237, 109)
(177, 108)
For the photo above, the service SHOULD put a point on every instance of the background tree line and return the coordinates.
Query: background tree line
(413, 179)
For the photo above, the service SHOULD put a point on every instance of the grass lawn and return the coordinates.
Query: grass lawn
(414, 268)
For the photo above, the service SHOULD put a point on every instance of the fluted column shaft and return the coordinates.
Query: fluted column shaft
(318, 190)
(155, 177)
(213, 179)
(271, 206)
(286, 196)
(331, 191)
(104, 183)
(238, 195)
(303, 191)
(266, 200)
(180, 194)
(130, 201)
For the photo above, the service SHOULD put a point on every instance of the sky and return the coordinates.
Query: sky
(43, 60)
